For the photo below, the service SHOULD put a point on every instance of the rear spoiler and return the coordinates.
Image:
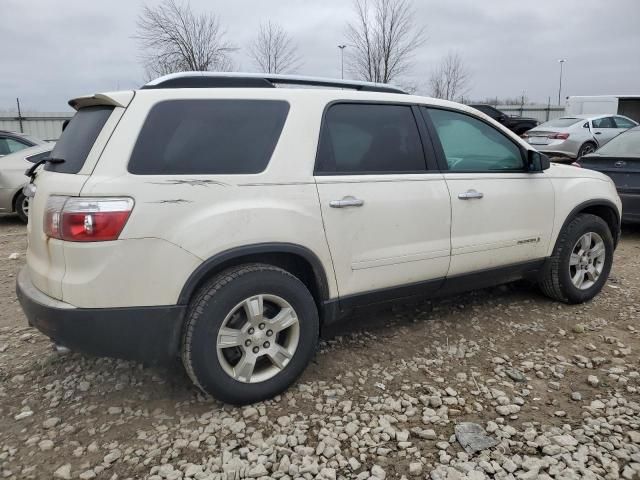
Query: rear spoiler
(115, 99)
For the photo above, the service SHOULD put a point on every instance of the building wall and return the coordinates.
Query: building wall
(46, 126)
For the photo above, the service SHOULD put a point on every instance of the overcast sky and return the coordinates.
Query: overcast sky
(55, 50)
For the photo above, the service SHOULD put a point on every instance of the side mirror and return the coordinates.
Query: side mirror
(537, 162)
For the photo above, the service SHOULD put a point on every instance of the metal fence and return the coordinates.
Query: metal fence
(542, 113)
(46, 126)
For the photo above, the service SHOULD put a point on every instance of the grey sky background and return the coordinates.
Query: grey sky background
(55, 50)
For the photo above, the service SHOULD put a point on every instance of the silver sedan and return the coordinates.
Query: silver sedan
(12, 178)
(577, 135)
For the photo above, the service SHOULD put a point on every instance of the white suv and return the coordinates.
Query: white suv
(215, 217)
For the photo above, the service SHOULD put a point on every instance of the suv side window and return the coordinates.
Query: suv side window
(606, 122)
(208, 137)
(471, 145)
(622, 122)
(360, 138)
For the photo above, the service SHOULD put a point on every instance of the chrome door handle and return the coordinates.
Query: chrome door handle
(347, 201)
(470, 194)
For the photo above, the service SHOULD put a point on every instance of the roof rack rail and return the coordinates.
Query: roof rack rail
(259, 80)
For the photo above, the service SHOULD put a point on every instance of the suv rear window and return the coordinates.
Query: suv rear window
(185, 137)
(77, 139)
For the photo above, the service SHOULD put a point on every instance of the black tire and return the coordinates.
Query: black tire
(556, 279)
(210, 307)
(19, 207)
(587, 148)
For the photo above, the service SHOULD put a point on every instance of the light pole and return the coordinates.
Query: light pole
(342, 47)
(561, 61)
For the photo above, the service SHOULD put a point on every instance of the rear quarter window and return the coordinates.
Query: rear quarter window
(78, 137)
(186, 137)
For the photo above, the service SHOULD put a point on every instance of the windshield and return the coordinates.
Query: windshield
(624, 145)
(560, 122)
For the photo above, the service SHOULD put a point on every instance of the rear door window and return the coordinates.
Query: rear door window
(77, 139)
(368, 139)
(208, 137)
(606, 122)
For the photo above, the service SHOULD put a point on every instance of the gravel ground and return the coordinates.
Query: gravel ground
(555, 387)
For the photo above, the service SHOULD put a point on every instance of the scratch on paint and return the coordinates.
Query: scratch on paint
(177, 200)
(194, 182)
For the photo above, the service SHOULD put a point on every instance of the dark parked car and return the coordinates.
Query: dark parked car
(620, 160)
(518, 125)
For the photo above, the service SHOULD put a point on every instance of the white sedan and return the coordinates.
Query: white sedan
(577, 135)
(12, 178)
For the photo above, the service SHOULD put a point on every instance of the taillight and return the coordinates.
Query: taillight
(82, 219)
(559, 136)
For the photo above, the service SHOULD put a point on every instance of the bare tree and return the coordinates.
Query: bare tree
(450, 80)
(383, 39)
(273, 50)
(174, 38)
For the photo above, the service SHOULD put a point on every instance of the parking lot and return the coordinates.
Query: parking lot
(557, 385)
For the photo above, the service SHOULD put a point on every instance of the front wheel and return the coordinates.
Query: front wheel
(249, 333)
(581, 260)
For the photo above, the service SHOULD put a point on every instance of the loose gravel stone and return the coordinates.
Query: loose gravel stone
(373, 405)
(415, 469)
(63, 472)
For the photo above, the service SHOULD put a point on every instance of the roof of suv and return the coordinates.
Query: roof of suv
(260, 80)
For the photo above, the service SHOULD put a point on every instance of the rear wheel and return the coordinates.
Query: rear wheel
(249, 333)
(22, 207)
(581, 260)
(586, 149)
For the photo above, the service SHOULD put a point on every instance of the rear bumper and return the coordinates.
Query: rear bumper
(149, 334)
(565, 149)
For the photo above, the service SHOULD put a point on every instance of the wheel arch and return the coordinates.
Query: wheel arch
(602, 208)
(14, 200)
(296, 259)
(593, 141)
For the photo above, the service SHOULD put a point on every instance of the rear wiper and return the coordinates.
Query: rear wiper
(31, 171)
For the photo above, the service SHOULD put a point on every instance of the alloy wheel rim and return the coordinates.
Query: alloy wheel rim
(587, 149)
(258, 338)
(25, 205)
(587, 260)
